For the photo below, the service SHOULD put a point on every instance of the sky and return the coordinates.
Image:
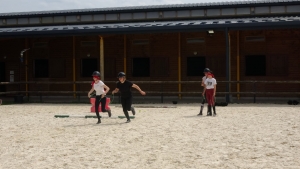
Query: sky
(10, 6)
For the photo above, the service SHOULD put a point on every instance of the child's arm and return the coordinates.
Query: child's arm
(204, 90)
(139, 89)
(202, 82)
(89, 93)
(106, 90)
(215, 87)
(115, 91)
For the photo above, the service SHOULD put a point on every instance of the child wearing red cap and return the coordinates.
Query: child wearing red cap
(101, 90)
(210, 88)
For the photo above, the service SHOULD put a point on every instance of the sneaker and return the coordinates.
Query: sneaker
(128, 121)
(109, 113)
(133, 111)
(200, 114)
(99, 121)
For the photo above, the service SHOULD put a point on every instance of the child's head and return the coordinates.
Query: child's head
(122, 77)
(96, 75)
(210, 75)
(206, 70)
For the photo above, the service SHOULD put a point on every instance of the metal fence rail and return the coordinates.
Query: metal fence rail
(161, 93)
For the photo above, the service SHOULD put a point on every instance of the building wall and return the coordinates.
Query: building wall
(280, 47)
(282, 56)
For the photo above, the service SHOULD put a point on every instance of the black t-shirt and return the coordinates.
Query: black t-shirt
(125, 88)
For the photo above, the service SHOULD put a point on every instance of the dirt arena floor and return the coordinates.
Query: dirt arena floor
(249, 136)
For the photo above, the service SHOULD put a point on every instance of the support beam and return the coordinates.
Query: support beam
(102, 57)
(74, 65)
(125, 54)
(238, 64)
(179, 64)
(227, 64)
(26, 66)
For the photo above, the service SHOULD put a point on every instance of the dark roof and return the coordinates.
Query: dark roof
(153, 7)
(163, 26)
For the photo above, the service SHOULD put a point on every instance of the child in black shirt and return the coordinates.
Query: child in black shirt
(124, 86)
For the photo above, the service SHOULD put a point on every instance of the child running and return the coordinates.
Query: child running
(99, 87)
(124, 86)
(210, 88)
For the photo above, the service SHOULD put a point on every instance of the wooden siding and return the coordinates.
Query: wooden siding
(281, 48)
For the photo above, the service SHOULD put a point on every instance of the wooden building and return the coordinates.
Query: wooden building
(239, 41)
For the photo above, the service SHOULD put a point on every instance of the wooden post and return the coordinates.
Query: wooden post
(227, 63)
(26, 66)
(125, 54)
(101, 57)
(238, 64)
(74, 67)
(179, 64)
(229, 66)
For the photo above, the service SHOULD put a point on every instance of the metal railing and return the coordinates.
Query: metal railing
(162, 93)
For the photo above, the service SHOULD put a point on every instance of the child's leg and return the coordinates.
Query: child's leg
(209, 97)
(103, 103)
(125, 108)
(214, 109)
(97, 102)
(202, 105)
(214, 105)
(129, 105)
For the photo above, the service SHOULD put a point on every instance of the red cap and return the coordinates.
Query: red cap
(97, 77)
(210, 74)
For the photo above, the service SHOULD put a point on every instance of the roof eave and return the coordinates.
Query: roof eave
(131, 30)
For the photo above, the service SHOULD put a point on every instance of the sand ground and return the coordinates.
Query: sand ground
(241, 136)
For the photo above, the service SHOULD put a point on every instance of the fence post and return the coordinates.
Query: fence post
(27, 92)
(162, 94)
(254, 90)
(78, 94)
(39, 89)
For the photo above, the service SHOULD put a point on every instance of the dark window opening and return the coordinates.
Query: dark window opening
(195, 66)
(141, 67)
(41, 68)
(88, 66)
(255, 65)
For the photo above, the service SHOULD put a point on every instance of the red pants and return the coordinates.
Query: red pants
(210, 96)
